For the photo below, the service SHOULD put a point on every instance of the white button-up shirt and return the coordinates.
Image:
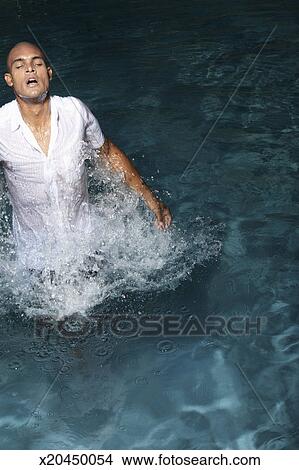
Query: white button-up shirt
(48, 193)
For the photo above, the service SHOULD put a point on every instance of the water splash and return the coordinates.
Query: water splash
(124, 252)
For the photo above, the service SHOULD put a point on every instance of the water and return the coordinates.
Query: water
(159, 77)
(124, 252)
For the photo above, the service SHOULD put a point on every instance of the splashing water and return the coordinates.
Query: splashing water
(124, 252)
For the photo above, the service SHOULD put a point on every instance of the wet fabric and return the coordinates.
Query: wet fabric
(48, 193)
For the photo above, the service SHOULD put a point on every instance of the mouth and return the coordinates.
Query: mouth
(31, 82)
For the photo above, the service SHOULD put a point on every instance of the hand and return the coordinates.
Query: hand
(163, 216)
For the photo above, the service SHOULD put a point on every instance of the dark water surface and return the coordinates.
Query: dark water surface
(204, 97)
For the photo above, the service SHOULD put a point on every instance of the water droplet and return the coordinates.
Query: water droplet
(166, 346)
(141, 380)
(103, 351)
(15, 365)
(65, 368)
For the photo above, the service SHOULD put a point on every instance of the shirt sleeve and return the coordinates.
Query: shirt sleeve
(93, 133)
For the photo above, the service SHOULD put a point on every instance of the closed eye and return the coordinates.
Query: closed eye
(39, 64)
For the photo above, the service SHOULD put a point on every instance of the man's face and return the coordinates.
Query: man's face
(28, 74)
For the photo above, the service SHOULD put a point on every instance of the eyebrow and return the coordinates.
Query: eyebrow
(22, 59)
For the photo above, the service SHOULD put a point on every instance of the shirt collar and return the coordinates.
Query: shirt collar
(17, 120)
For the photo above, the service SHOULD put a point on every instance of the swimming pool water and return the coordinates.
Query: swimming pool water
(203, 97)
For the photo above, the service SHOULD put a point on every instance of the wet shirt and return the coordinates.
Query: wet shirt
(48, 193)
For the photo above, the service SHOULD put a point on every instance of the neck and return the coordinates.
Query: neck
(35, 112)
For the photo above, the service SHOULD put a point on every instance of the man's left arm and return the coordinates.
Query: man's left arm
(118, 161)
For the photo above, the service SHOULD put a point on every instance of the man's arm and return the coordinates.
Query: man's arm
(118, 161)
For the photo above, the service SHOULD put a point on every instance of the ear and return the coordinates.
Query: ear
(50, 73)
(8, 79)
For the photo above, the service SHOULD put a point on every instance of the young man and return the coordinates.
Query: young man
(40, 141)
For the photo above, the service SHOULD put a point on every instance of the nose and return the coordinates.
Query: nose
(30, 67)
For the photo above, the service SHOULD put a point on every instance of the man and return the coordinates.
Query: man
(41, 139)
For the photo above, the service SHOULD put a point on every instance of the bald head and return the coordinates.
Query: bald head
(26, 61)
(20, 49)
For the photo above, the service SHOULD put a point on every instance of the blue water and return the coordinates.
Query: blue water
(202, 96)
